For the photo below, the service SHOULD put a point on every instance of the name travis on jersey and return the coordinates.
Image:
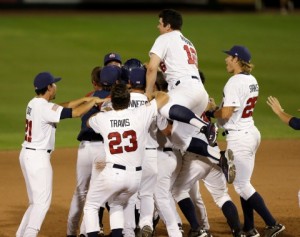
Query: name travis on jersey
(115, 123)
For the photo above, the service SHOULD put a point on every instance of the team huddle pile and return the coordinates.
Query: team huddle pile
(146, 140)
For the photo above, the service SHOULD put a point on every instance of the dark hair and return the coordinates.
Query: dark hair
(120, 96)
(95, 75)
(137, 87)
(42, 91)
(172, 17)
(161, 83)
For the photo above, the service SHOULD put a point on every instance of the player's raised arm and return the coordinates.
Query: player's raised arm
(151, 74)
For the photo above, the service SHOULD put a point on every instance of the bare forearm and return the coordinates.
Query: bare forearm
(75, 103)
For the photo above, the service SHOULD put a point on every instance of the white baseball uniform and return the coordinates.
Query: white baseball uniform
(179, 64)
(41, 119)
(243, 138)
(90, 151)
(124, 134)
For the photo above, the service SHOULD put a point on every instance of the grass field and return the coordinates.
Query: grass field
(70, 45)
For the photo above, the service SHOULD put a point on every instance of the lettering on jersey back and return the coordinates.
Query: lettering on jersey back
(116, 123)
(137, 103)
(186, 40)
(28, 110)
(253, 88)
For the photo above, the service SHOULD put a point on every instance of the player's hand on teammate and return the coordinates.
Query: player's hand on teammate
(273, 102)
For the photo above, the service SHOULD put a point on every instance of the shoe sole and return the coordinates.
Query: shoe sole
(231, 167)
(278, 232)
(147, 232)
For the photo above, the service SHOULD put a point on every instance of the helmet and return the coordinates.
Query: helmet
(128, 66)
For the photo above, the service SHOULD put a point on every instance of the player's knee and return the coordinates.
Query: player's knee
(221, 200)
(244, 190)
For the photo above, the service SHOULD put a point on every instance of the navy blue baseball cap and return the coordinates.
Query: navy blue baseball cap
(239, 51)
(109, 75)
(112, 57)
(43, 79)
(137, 76)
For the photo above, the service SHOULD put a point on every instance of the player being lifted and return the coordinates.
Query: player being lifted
(177, 58)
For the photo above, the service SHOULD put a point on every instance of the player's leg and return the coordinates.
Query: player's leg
(192, 170)
(245, 148)
(129, 212)
(199, 205)
(167, 163)
(186, 138)
(186, 102)
(146, 189)
(83, 175)
(216, 185)
(39, 176)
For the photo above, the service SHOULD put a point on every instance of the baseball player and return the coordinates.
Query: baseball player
(41, 119)
(288, 119)
(124, 133)
(194, 169)
(240, 95)
(177, 58)
(91, 149)
(112, 59)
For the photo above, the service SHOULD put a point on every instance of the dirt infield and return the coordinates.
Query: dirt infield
(276, 177)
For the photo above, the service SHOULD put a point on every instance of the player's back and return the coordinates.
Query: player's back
(124, 133)
(178, 55)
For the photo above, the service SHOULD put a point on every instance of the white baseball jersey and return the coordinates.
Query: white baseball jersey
(241, 92)
(124, 132)
(136, 100)
(41, 119)
(178, 56)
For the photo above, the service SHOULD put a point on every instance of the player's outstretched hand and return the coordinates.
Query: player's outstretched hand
(273, 102)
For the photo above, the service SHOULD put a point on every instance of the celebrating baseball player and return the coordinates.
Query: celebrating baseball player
(288, 119)
(177, 58)
(124, 132)
(91, 149)
(240, 95)
(41, 119)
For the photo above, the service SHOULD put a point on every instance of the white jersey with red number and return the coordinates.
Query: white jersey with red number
(178, 56)
(241, 91)
(41, 119)
(124, 133)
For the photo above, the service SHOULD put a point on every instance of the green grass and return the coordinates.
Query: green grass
(71, 45)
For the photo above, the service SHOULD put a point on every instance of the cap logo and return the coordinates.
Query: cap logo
(112, 55)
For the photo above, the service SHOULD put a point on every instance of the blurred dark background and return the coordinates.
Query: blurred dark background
(284, 6)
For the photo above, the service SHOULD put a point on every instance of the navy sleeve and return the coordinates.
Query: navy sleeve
(66, 113)
(295, 123)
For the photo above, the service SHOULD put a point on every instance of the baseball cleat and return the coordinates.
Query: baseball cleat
(227, 165)
(252, 233)
(197, 233)
(146, 231)
(272, 231)
(211, 133)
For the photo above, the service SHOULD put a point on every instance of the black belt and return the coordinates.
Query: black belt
(87, 140)
(28, 148)
(167, 149)
(122, 167)
(225, 133)
(148, 148)
(195, 77)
